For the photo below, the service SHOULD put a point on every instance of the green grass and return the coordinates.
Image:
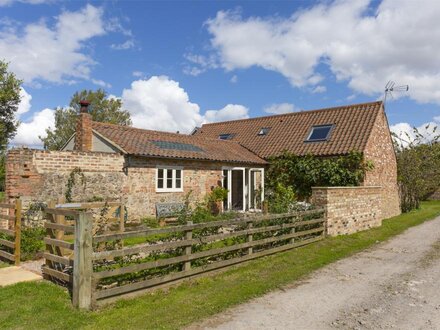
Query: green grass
(2, 195)
(47, 306)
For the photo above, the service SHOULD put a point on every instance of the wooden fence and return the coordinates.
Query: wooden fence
(10, 239)
(104, 269)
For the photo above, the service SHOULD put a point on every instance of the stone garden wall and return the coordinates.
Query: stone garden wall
(349, 209)
(41, 176)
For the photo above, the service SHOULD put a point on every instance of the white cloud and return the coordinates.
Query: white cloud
(124, 46)
(406, 134)
(4, 3)
(437, 119)
(279, 108)
(138, 74)
(199, 64)
(53, 53)
(101, 83)
(25, 102)
(396, 41)
(229, 112)
(234, 79)
(28, 132)
(319, 89)
(160, 103)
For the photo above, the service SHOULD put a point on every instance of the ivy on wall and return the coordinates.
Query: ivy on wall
(71, 182)
(304, 172)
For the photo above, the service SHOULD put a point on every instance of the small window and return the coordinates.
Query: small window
(226, 136)
(320, 133)
(264, 131)
(169, 179)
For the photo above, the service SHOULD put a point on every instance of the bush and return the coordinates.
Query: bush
(32, 244)
(281, 199)
(304, 172)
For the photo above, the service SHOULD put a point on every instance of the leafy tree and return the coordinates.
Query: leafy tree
(304, 172)
(102, 109)
(418, 165)
(9, 101)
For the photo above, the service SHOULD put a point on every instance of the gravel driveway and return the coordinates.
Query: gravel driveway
(394, 285)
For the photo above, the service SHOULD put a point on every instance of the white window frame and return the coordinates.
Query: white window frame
(165, 172)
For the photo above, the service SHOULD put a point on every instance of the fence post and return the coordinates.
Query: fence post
(82, 266)
(250, 237)
(17, 228)
(293, 230)
(188, 236)
(122, 218)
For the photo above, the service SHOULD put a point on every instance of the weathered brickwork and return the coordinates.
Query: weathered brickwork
(37, 175)
(84, 136)
(380, 151)
(349, 209)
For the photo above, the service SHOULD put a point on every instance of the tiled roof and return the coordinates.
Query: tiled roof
(352, 127)
(142, 142)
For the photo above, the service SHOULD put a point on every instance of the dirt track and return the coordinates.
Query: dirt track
(394, 285)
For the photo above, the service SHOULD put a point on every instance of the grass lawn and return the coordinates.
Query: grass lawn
(45, 306)
(2, 194)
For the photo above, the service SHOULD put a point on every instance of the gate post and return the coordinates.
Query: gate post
(17, 228)
(82, 266)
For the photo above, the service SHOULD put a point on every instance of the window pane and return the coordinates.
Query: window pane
(320, 132)
(178, 179)
(170, 183)
(159, 178)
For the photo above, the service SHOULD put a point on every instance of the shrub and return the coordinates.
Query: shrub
(32, 244)
(304, 172)
(281, 199)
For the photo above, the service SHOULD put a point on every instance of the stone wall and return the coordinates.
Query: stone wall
(435, 196)
(380, 151)
(38, 175)
(349, 209)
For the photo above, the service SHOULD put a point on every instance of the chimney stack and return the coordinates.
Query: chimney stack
(83, 137)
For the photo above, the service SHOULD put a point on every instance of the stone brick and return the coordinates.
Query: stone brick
(349, 209)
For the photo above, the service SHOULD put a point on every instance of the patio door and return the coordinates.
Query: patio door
(234, 179)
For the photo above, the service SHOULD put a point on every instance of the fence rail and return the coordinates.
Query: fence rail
(100, 265)
(10, 237)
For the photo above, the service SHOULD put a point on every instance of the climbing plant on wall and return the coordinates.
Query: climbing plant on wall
(71, 182)
(304, 172)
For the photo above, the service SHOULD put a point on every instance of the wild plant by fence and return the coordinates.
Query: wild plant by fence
(10, 234)
(103, 268)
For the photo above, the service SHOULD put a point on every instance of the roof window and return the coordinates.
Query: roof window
(176, 146)
(226, 136)
(264, 131)
(320, 133)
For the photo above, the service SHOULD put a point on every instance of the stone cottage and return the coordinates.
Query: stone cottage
(145, 167)
(325, 133)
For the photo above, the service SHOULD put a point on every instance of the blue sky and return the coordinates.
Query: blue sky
(178, 64)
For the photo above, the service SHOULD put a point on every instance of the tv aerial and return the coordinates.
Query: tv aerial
(391, 87)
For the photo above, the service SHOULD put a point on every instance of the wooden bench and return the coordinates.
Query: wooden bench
(169, 211)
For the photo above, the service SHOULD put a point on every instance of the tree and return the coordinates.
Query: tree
(9, 102)
(418, 165)
(102, 109)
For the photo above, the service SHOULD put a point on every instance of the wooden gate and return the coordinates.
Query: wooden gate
(10, 231)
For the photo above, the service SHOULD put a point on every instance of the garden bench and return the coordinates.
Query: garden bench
(168, 210)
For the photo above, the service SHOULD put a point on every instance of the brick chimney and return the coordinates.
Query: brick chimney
(83, 138)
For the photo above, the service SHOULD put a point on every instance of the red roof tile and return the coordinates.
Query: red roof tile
(352, 127)
(150, 143)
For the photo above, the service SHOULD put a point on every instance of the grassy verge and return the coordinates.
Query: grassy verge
(46, 306)
(2, 195)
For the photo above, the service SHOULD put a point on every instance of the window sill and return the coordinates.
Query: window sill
(168, 190)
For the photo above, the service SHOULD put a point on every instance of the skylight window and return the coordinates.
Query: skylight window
(176, 146)
(226, 136)
(320, 133)
(264, 131)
